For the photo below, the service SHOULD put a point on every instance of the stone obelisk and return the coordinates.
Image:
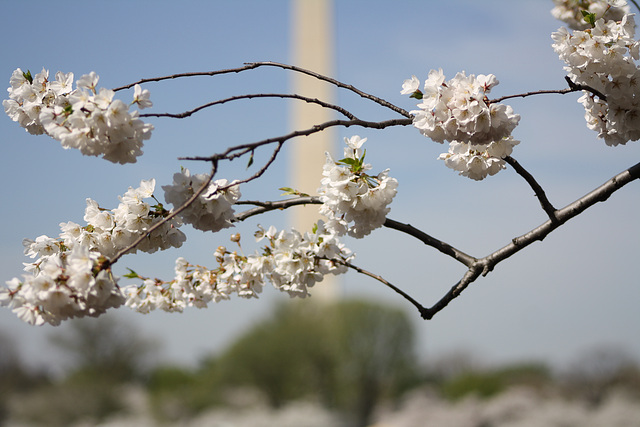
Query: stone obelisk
(312, 48)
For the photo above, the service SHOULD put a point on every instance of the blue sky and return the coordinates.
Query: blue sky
(577, 289)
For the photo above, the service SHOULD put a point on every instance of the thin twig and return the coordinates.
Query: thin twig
(423, 311)
(263, 207)
(635, 4)
(191, 74)
(573, 87)
(164, 220)
(259, 173)
(443, 247)
(337, 83)
(485, 265)
(251, 96)
(537, 189)
(240, 150)
(563, 215)
(252, 65)
(469, 277)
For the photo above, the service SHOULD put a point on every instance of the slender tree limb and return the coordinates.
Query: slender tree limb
(485, 265)
(423, 311)
(563, 215)
(443, 247)
(191, 74)
(251, 96)
(573, 87)
(271, 206)
(252, 65)
(337, 83)
(635, 3)
(469, 277)
(240, 150)
(164, 220)
(537, 189)
(260, 172)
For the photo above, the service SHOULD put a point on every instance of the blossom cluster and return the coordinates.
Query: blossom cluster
(70, 277)
(603, 58)
(478, 161)
(570, 11)
(459, 110)
(212, 210)
(62, 285)
(292, 262)
(84, 118)
(353, 201)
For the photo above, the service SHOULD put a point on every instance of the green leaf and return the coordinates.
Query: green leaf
(287, 191)
(314, 230)
(417, 95)
(348, 161)
(28, 76)
(132, 274)
(291, 192)
(250, 160)
(590, 18)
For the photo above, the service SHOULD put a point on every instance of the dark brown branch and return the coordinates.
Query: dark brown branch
(537, 189)
(469, 277)
(240, 150)
(563, 215)
(263, 207)
(485, 265)
(250, 66)
(423, 311)
(251, 96)
(191, 74)
(577, 87)
(573, 87)
(443, 247)
(164, 220)
(337, 83)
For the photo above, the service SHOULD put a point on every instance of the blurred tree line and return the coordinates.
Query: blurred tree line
(350, 357)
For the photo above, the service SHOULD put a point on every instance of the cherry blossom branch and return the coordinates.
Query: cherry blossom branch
(252, 65)
(339, 84)
(240, 150)
(262, 207)
(251, 96)
(256, 175)
(635, 4)
(485, 265)
(563, 215)
(537, 189)
(469, 277)
(423, 311)
(164, 220)
(573, 87)
(443, 247)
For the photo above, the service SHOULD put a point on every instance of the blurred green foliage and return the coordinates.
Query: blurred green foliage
(487, 383)
(347, 356)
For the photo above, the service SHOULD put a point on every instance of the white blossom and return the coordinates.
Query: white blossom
(478, 161)
(291, 261)
(86, 118)
(212, 210)
(459, 110)
(353, 201)
(570, 11)
(603, 58)
(71, 276)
